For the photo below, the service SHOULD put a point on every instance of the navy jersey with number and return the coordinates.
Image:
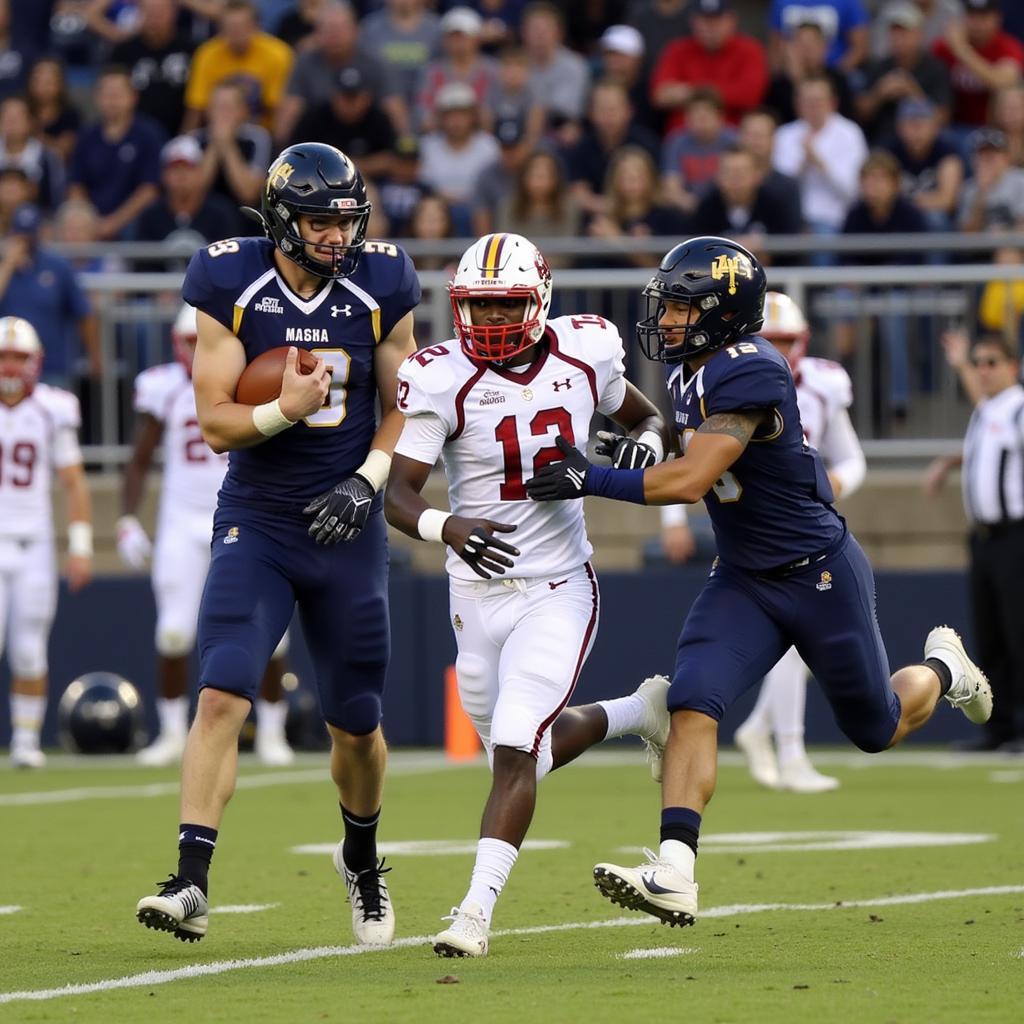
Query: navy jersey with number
(236, 282)
(773, 505)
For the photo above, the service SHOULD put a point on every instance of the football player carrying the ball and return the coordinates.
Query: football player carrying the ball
(298, 519)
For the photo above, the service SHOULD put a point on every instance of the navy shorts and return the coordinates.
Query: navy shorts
(742, 623)
(262, 565)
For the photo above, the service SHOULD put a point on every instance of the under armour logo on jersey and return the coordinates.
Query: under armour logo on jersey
(335, 310)
(559, 384)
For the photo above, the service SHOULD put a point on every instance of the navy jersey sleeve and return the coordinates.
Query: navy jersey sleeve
(214, 280)
(400, 291)
(751, 380)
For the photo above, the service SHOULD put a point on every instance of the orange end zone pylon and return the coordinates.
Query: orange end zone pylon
(461, 742)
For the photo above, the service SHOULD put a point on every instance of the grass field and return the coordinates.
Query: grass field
(898, 898)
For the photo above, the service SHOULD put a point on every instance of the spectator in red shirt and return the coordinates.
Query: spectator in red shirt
(716, 55)
(981, 59)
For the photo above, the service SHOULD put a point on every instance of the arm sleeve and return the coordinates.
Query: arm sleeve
(422, 438)
(748, 382)
(612, 378)
(843, 455)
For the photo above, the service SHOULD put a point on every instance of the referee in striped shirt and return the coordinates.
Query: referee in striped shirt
(993, 492)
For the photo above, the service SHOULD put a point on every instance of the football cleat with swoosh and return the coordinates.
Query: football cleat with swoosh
(657, 888)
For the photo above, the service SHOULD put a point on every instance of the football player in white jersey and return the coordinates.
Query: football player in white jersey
(491, 402)
(166, 408)
(824, 393)
(38, 439)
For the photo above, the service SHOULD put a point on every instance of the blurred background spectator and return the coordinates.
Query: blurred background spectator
(56, 118)
(844, 24)
(116, 163)
(658, 22)
(622, 60)
(21, 146)
(715, 55)
(402, 187)
(298, 26)
(994, 196)
(512, 100)
(1008, 117)
(241, 52)
(609, 126)
(981, 58)
(757, 137)
(689, 156)
(558, 77)
(458, 153)
(540, 203)
(40, 286)
(157, 56)
(906, 71)
(236, 152)
(803, 54)
(186, 214)
(460, 61)
(404, 37)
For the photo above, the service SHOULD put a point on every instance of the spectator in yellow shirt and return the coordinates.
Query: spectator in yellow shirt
(1002, 301)
(242, 53)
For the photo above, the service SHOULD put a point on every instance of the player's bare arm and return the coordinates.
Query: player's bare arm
(79, 512)
(646, 434)
(219, 362)
(133, 544)
(472, 540)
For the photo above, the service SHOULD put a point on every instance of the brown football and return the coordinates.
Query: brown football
(261, 379)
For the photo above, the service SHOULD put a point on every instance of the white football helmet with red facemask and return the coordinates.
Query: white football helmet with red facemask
(501, 266)
(183, 336)
(21, 357)
(785, 324)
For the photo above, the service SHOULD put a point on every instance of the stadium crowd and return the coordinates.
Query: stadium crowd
(146, 120)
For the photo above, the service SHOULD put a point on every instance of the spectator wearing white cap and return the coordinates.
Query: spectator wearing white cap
(461, 61)
(456, 155)
(186, 208)
(622, 60)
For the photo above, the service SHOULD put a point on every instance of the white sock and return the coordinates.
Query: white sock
(679, 855)
(790, 747)
(27, 714)
(494, 862)
(270, 718)
(173, 715)
(627, 716)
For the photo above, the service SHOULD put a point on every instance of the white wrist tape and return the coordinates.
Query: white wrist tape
(673, 515)
(652, 439)
(375, 469)
(431, 524)
(80, 539)
(269, 420)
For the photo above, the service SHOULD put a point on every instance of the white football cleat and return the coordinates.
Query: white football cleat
(653, 691)
(756, 746)
(468, 934)
(273, 749)
(970, 691)
(801, 776)
(373, 919)
(27, 757)
(165, 750)
(658, 888)
(180, 907)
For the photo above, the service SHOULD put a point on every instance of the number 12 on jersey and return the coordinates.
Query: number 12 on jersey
(506, 433)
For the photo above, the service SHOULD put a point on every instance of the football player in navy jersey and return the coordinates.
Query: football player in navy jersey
(788, 572)
(299, 518)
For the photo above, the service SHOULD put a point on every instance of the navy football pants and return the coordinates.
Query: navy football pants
(262, 565)
(741, 624)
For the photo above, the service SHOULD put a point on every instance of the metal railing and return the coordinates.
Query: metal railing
(136, 309)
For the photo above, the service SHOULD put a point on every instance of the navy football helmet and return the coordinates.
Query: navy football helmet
(314, 178)
(100, 713)
(722, 280)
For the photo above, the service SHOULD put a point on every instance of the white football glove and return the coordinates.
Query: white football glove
(133, 544)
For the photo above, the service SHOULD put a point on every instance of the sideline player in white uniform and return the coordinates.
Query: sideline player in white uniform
(166, 408)
(823, 393)
(38, 438)
(491, 402)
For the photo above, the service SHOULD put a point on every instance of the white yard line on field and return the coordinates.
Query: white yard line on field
(243, 908)
(150, 978)
(9, 910)
(432, 847)
(657, 953)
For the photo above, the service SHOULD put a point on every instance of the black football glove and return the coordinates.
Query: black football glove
(563, 480)
(625, 452)
(343, 511)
